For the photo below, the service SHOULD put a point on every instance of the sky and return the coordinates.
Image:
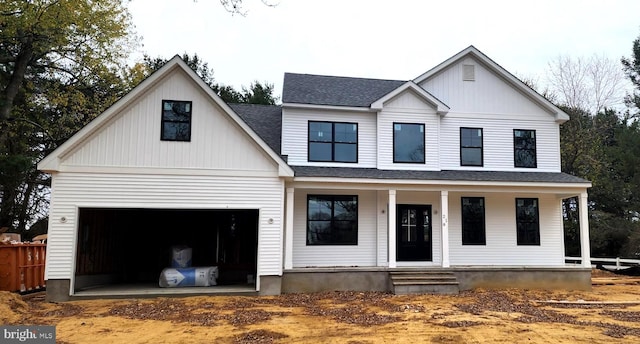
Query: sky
(392, 39)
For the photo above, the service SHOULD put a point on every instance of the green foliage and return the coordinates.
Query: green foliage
(59, 68)
(257, 93)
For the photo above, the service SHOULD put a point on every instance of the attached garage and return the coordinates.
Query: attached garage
(170, 164)
(132, 246)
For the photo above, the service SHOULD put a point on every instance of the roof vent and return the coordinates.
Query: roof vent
(468, 72)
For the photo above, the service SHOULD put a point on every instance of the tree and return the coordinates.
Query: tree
(59, 68)
(631, 67)
(592, 84)
(257, 93)
(236, 6)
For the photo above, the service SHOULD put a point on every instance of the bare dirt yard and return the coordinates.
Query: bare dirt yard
(610, 313)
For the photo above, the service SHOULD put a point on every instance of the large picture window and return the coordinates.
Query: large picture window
(524, 148)
(527, 221)
(408, 143)
(473, 224)
(176, 120)
(333, 142)
(471, 147)
(332, 220)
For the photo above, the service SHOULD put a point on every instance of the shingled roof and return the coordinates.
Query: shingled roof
(335, 90)
(480, 176)
(265, 120)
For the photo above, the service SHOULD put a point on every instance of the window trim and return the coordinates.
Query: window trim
(519, 240)
(333, 142)
(424, 145)
(333, 199)
(535, 149)
(462, 147)
(163, 121)
(484, 222)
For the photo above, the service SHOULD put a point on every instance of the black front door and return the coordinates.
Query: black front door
(413, 233)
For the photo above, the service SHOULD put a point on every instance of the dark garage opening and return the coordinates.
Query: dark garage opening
(133, 246)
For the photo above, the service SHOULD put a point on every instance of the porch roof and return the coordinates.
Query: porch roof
(480, 176)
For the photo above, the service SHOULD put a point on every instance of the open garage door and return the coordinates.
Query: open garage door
(133, 246)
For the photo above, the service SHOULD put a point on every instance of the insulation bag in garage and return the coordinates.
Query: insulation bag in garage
(181, 256)
(188, 277)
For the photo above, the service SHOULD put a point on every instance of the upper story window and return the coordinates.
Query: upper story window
(333, 141)
(524, 148)
(332, 220)
(471, 147)
(408, 143)
(473, 227)
(527, 221)
(176, 120)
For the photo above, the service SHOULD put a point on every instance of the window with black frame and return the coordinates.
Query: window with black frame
(471, 147)
(332, 220)
(333, 142)
(408, 143)
(527, 221)
(524, 148)
(473, 221)
(176, 120)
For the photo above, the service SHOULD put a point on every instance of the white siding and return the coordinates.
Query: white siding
(487, 94)
(295, 133)
(501, 247)
(73, 190)
(498, 141)
(408, 108)
(363, 254)
(132, 137)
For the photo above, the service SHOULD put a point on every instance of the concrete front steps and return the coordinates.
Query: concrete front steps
(423, 282)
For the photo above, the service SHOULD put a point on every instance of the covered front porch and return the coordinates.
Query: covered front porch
(388, 227)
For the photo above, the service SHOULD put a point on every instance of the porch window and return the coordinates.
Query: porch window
(176, 120)
(527, 221)
(408, 143)
(471, 147)
(524, 148)
(473, 224)
(333, 142)
(332, 220)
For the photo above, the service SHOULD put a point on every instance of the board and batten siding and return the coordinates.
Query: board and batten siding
(498, 149)
(132, 137)
(362, 254)
(488, 93)
(408, 108)
(77, 190)
(501, 247)
(295, 135)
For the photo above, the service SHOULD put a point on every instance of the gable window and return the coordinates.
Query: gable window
(408, 143)
(527, 221)
(524, 148)
(471, 147)
(176, 120)
(333, 141)
(332, 220)
(473, 226)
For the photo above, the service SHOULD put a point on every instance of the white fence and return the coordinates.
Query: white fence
(615, 263)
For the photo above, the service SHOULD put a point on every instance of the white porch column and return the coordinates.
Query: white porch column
(444, 205)
(585, 248)
(391, 228)
(288, 232)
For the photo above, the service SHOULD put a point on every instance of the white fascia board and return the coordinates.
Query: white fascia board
(325, 107)
(443, 184)
(52, 161)
(560, 116)
(441, 108)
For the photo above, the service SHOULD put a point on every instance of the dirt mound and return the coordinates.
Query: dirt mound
(12, 308)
